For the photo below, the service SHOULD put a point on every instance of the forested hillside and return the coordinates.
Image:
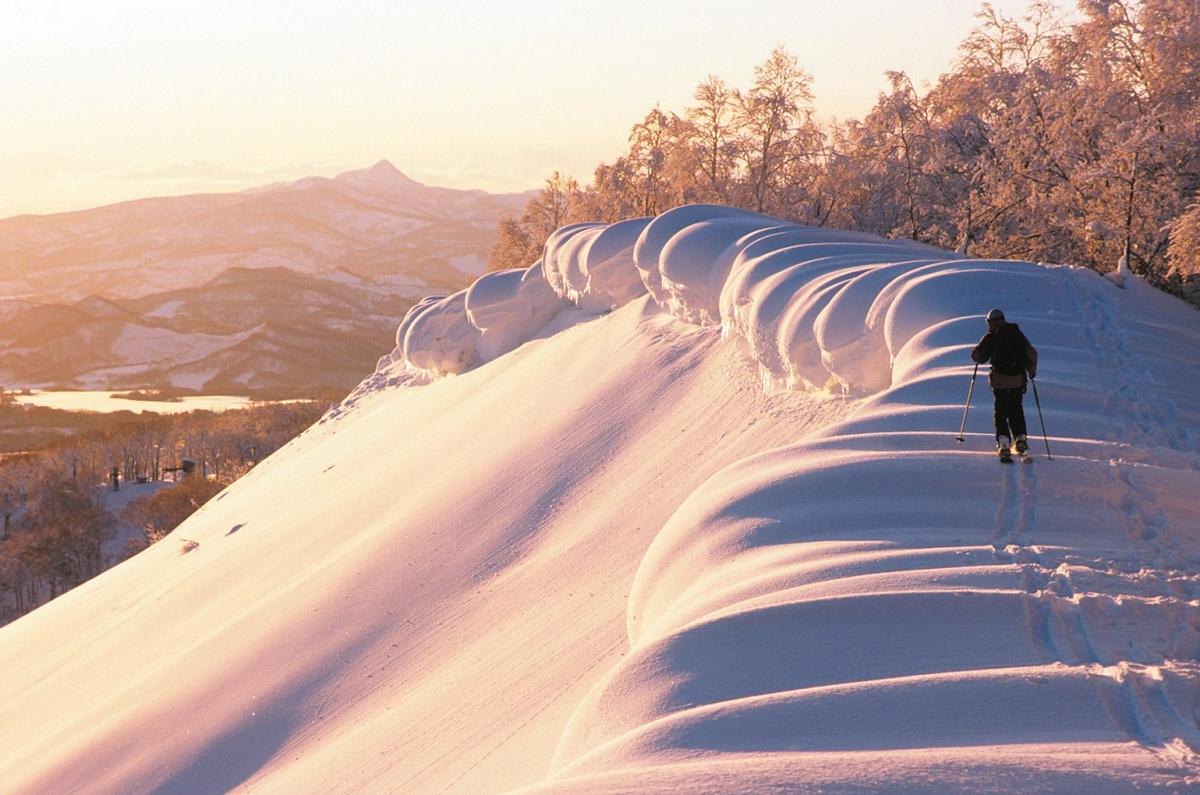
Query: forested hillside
(60, 522)
(1054, 137)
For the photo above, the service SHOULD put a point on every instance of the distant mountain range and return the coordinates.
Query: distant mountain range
(264, 330)
(290, 285)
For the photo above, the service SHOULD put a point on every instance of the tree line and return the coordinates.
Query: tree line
(1048, 141)
(58, 530)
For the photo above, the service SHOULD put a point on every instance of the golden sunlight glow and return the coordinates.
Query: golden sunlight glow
(129, 98)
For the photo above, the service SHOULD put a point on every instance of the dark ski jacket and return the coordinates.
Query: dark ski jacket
(1011, 356)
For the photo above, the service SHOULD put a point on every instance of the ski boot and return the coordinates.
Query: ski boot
(1022, 446)
(1003, 445)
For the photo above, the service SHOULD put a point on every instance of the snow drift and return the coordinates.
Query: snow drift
(589, 266)
(602, 557)
(813, 304)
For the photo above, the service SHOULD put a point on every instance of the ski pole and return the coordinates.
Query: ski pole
(966, 408)
(1041, 418)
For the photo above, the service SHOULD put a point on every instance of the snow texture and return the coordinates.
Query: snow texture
(589, 266)
(611, 561)
(782, 287)
(510, 307)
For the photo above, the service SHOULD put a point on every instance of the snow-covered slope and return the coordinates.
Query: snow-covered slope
(373, 221)
(262, 328)
(602, 557)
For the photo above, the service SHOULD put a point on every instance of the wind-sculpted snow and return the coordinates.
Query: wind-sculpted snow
(781, 287)
(877, 607)
(440, 338)
(589, 266)
(877, 598)
(508, 307)
(614, 558)
(811, 303)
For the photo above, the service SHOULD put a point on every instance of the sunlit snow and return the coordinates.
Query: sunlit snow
(678, 508)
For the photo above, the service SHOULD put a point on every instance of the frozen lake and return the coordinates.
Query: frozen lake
(105, 402)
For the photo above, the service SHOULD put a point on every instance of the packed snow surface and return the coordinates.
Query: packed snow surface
(678, 508)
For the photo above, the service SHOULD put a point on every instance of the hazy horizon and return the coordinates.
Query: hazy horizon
(135, 100)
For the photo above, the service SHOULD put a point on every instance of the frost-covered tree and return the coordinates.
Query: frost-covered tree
(1184, 253)
(611, 196)
(991, 151)
(650, 145)
(58, 539)
(906, 132)
(1048, 140)
(160, 513)
(713, 138)
(519, 241)
(768, 115)
(514, 246)
(974, 195)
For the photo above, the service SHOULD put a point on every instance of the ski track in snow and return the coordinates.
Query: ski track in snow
(1070, 598)
(1059, 615)
(858, 605)
(790, 292)
(1069, 624)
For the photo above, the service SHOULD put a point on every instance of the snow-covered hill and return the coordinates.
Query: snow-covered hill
(261, 328)
(374, 221)
(719, 538)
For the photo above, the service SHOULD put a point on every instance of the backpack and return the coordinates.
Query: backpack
(1010, 355)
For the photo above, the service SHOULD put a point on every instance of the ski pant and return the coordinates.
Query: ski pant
(1010, 414)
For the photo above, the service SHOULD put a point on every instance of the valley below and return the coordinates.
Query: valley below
(284, 291)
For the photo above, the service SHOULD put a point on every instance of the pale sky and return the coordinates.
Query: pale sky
(107, 100)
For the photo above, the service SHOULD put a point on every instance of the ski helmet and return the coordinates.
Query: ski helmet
(995, 316)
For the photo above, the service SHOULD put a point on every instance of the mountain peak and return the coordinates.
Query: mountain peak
(384, 167)
(382, 174)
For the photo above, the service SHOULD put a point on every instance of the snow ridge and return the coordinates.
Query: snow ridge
(589, 266)
(783, 603)
(818, 307)
(819, 605)
(612, 561)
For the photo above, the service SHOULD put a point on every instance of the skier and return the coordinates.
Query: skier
(1012, 357)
